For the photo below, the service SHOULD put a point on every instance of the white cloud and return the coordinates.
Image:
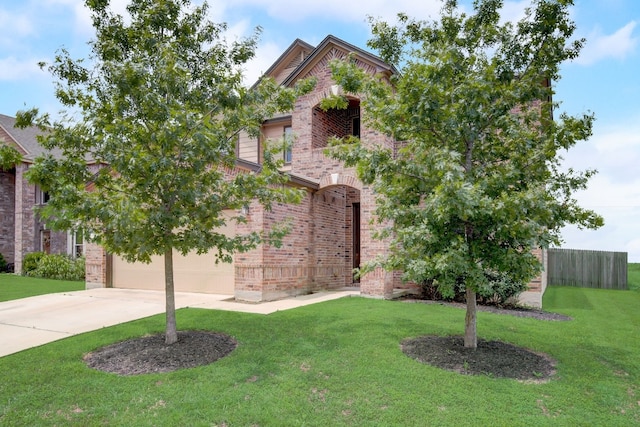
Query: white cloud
(513, 11)
(621, 233)
(614, 192)
(217, 9)
(602, 46)
(266, 55)
(15, 26)
(614, 150)
(13, 69)
(83, 24)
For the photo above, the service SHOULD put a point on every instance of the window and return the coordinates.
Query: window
(42, 197)
(288, 137)
(75, 243)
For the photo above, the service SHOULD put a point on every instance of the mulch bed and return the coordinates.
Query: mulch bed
(150, 354)
(492, 358)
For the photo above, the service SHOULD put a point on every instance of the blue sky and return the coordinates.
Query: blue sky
(605, 79)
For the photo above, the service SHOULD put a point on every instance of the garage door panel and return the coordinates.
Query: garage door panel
(191, 273)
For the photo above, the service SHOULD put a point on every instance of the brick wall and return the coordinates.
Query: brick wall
(539, 284)
(327, 124)
(96, 266)
(7, 215)
(312, 126)
(25, 229)
(330, 242)
(269, 272)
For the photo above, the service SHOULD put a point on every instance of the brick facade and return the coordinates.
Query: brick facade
(325, 242)
(30, 233)
(7, 214)
(96, 266)
(21, 231)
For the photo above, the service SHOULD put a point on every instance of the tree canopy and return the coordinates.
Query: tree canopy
(9, 156)
(476, 183)
(161, 104)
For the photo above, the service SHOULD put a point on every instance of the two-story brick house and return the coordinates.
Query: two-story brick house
(21, 231)
(331, 229)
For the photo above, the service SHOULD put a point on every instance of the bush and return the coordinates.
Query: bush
(3, 264)
(431, 291)
(501, 290)
(59, 267)
(30, 262)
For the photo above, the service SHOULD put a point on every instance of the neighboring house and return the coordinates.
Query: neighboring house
(21, 231)
(332, 229)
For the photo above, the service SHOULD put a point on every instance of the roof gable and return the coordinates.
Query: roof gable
(334, 48)
(289, 61)
(24, 140)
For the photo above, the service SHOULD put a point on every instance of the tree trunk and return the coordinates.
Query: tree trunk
(171, 334)
(470, 333)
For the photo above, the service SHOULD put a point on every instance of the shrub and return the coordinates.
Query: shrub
(59, 267)
(3, 264)
(30, 262)
(499, 291)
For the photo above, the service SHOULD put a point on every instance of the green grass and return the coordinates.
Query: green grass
(340, 363)
(633, 276)
(15, 287)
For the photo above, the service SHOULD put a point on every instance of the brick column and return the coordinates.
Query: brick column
(25, 239)
(96, 266)
(378, 283)
(7, 215)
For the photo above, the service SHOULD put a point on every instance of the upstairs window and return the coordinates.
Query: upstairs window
(288, 137)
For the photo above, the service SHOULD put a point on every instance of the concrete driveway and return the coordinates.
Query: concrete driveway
(38, 320)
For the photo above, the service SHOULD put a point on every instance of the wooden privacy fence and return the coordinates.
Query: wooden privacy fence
(587, 269)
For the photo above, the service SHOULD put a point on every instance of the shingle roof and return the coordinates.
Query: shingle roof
(26, 138)
(329, 40)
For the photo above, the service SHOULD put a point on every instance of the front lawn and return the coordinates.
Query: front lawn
(633, 276)
(15, 287)
(340, 363)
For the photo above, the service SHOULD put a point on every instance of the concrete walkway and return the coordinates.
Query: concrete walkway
(30, 322)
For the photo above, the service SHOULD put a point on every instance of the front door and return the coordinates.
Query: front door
(356, 238)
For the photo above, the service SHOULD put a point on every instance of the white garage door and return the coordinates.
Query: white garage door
(192, 273)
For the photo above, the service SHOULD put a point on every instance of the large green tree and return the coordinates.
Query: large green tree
(477, 182)
(9, 156)
(160, 102)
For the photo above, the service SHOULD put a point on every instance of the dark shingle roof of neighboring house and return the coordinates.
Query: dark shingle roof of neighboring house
(25, 140)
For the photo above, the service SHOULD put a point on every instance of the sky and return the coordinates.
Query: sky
(605, 79)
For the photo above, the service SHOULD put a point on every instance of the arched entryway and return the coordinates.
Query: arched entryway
(336, 235)
(359, 202)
